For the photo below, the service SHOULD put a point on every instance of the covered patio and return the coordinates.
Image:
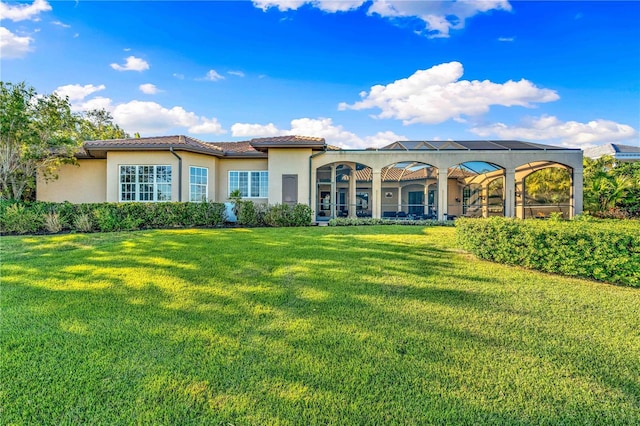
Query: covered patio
(444, 179)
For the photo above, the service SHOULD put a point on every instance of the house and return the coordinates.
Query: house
(406, 179)
(617, 151)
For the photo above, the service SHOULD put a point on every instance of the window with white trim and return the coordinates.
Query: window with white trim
(145, 183)
(253, 184)
(198, 183)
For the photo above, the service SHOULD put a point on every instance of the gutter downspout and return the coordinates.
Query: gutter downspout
(179, 173)
(311, 157)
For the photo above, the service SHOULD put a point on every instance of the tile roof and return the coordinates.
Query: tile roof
(239, 149)
(403, 174)
(288, 139)
(184, 143)
(291, 141)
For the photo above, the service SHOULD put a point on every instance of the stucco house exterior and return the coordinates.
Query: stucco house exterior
(407, 179)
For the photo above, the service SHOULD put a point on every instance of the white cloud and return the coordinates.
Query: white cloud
(383, 138)
(149, 89)
(254, 130)
(506, 39)
(22, 12)
(132, 64)
(178, 76)
(330, 6)
(568, 133)
(77, 92)
(207, 125)
(281, 5)
(148, 118)
(99, 102)
(213, 75)
(437, 94)
(12, 45)
(319, 127)
(152, 118)
(236, 73)
(324, 128)
(438, 17)
(61, 24)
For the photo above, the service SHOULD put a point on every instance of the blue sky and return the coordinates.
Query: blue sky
(358, 73)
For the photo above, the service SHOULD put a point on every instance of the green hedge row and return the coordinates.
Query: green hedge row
(251, 214)
(605, 250)
(356, 221)
(43, 217)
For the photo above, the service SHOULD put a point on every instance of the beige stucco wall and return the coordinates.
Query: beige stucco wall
(115, 159)
(225, 165)
(82, 183)
(389, 204)
(454, 190)
(198, 160)
(284, 161)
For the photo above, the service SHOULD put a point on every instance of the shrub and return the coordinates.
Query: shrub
(606, 250)
(17, 218)
(111, 217)
(82, 223)
(279, 215)
(356, 221)
(248, 214)
(52, 222)
(301, 215)
(21, 218)
(214, 214)
(106, 219)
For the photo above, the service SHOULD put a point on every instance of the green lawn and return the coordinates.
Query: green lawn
(362, 325)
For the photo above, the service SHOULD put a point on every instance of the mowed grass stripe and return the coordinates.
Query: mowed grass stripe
(362, 325)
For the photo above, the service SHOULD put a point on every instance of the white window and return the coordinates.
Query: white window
(198, 183)
(251, 184)
(145, 183)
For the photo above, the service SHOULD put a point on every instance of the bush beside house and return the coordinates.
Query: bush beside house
(605, 250)
(44, 217)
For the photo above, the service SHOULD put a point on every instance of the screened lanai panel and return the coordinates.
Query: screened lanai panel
(482, 145)
(519, 145)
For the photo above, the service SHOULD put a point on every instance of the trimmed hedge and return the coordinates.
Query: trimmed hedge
(605, 250)
(356, 221)
(277, 215)
(43, 217)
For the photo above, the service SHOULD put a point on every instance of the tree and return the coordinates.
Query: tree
(98, 124)
(37, 134)
(611, 187)
(550, 185)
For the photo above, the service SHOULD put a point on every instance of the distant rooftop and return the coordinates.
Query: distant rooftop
(617, 151)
